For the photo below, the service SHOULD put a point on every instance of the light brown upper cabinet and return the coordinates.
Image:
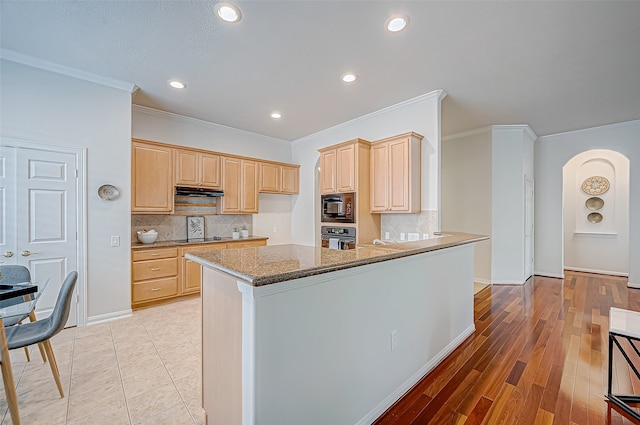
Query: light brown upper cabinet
(279, 178)
(339, 166)
(195, 168)
(240, 186)
(151, 178)
(290, 179)
(395, 174)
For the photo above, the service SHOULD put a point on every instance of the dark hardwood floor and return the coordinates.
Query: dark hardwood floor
(539, 355)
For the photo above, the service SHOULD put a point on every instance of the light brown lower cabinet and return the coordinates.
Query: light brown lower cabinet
(160, 274)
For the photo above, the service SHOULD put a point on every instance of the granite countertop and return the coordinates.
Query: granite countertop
(170, 244)
(278, 263)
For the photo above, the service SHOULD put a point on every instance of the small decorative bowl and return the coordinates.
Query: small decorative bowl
(147, 237)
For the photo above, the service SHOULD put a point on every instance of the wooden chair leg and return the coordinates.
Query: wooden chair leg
(26, 353)
(32, 317)
(7, 378)
(42, 352)
(54, 365)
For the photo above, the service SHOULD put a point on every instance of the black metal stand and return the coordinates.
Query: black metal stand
(623, 401)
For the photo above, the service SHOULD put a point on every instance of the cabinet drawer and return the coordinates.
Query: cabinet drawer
(153, 269)
(245, 244)
(154, 254)
(153, 289)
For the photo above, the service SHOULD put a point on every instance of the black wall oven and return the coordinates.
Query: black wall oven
(338, 208)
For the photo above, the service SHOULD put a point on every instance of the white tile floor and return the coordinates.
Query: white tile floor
(143, 369)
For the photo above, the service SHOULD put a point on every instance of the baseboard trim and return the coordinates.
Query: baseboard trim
(554, 275)
(484, 281)
(108, 317)
(607, 272)
(382, 407)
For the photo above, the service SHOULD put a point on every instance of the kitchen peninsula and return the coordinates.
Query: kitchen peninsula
(307, 335)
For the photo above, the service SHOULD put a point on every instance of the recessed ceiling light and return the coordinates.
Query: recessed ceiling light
(397, 23)
(349, 78)
(276, 115)
(228, 12)
(177, 84)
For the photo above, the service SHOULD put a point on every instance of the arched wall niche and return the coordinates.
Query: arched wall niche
(596, 221)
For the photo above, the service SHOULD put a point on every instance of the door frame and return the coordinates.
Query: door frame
(81, 214)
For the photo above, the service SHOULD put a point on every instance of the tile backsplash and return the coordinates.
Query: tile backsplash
(174, 227)
(424, 222)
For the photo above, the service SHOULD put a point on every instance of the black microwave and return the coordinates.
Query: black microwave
(338, 208)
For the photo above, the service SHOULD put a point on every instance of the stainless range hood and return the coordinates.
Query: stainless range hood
(197, 191)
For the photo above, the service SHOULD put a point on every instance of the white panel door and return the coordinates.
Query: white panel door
(7, 206)
(45, 219)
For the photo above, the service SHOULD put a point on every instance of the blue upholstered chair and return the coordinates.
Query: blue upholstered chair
(23, 335)
(10, 274)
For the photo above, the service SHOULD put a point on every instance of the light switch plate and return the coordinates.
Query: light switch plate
(414, 236)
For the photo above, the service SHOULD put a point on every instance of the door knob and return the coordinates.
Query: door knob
(27, 253)
(7, 254)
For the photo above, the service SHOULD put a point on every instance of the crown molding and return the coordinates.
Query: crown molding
(477, 131)
(434, 95)
(202, 123)
(523, 127)
(491, 128)
(34, 62)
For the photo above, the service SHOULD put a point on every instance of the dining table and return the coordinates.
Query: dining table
(7, 292)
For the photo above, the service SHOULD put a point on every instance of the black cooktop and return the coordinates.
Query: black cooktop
(212, 239)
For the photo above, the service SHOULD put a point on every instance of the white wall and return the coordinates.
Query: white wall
(466, 192)
(551, 154)
(421, 115)
(46, 108)
(275, 210)
(597, 247)
(511, 158)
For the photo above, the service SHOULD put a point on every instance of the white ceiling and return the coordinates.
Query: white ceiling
(557, 66)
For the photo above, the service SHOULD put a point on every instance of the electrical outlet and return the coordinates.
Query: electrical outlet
(394, 340)
(275, 229)
(401, 236)
(386, 235)
(414, 236)
(115, 240)
(425, 236)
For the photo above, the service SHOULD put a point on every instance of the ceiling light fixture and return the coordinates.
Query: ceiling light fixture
(276, 115)
(177, 84)
(228, 12)
(397, 23)
(349, 78)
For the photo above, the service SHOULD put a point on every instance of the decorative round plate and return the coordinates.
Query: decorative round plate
(594, 217)
(596, 185)
(108, 192)
(594, 203)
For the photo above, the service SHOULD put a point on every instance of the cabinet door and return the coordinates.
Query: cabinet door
(210, 170)
(191, 271)
(379, 177)
(399, 175)
(290, 179)
(249, 192)
(270, 177)
(187, 168)
(231, 185)
(151, 178)
(346, 168)
(328, 172)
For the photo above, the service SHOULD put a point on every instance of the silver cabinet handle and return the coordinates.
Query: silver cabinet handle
(8, 254)
(156, 289)
(155, 269)
(155, 254)
(27, 253)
